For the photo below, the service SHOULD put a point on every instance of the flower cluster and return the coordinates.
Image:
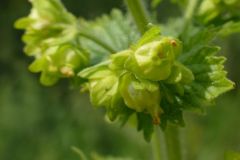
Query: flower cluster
(218, 10)
(157, 78)
(51, 38)
(134, 76)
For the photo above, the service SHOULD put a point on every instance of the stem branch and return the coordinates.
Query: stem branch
(156, 144)
(189, 13)
(139, 14)
(190, 9)
(173, 143)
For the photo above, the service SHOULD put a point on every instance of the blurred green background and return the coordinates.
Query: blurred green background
(41, 123)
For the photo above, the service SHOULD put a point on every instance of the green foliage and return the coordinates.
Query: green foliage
(179, 87)
(42, 123)
(107, 34)
(210, 77)
(230, 28)
(155, 77)
(223, 14)
(218, 11)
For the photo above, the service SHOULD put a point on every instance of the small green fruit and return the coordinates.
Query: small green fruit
(141, 95)
(154, 60)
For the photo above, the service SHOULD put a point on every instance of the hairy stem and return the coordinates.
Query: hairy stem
(139, 13)
(156, 144)
(173, 143)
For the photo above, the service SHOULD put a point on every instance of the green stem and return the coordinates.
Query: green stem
(190, 10)
(139, 14)
(173, 143)
(156, 144)
(80, 153)
(141, 18)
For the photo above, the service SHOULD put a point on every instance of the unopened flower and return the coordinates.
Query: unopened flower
(50, 37)
(134, 76)
(154, 60)
(141, 95)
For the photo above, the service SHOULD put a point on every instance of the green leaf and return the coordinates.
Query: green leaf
(172, 27)
(48, 79)
(198, 76)
(208, 10)
(95, 72)
(218, 12)
(113, 33)
(145, 125)
(207, 67)
(230, 28)
(172, 109)
(152, 34)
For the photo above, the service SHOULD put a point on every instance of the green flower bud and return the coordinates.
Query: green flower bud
(220, 10)
(154, 60)
(48, 24)
(141, 95)
(180, 74)
(59, 62)
(208, 10)
(50, 38)
(68, 56)
(103, 87)
(101, 83)
(119, 59)
(45, 13)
